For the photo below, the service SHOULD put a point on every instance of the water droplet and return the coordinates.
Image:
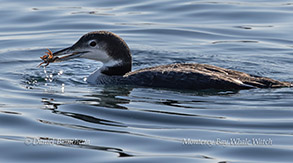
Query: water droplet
(60, 72)
(63, 88)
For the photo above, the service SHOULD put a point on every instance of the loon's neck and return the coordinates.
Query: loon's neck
(119, 69)
(108, 70)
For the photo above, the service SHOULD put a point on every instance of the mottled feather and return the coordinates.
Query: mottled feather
(199, 76)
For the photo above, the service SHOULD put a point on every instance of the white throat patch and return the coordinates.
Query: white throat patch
(92, 79)
(112, 63)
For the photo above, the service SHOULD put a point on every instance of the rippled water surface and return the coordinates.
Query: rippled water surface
(53, 115)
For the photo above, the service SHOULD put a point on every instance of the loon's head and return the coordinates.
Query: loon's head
(102, 46)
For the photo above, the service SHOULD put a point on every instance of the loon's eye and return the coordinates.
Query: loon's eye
(93, 43)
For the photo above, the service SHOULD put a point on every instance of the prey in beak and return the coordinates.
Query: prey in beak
(60, 56)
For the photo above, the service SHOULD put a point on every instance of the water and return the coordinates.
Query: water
(52, 114)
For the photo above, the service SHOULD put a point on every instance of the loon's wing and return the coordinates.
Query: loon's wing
(199, 76)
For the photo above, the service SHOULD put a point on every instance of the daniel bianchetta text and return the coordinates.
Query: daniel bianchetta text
(229, 142)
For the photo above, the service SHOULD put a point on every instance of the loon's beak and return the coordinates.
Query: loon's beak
(67, 54)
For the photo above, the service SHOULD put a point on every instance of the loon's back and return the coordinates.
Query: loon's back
(199, 76)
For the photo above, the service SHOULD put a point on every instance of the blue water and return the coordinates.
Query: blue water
(53, 115)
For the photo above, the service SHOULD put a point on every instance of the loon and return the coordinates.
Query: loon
(114, 53)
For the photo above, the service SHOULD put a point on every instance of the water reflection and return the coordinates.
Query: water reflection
(50, 105)
(109, 97)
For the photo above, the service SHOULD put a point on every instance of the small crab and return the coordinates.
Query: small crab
(49, 58)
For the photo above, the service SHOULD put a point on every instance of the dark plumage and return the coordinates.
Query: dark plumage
(200, 76)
